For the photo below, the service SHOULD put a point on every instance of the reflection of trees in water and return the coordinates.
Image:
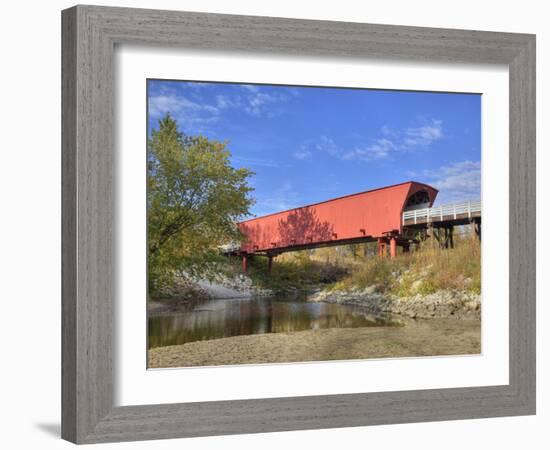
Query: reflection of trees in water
(223, 318)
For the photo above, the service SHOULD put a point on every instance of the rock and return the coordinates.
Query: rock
(442, 304)
(416, 285)
(369, 290)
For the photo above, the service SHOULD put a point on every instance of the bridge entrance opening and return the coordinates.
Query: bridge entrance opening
(418, 200)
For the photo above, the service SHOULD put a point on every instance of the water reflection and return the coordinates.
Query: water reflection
(215, 319)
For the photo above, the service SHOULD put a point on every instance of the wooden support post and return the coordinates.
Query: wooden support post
(393, 247)
(451, 240)
(245, 263)
(269, 264)
(447, 237)
(381, 247)
(435, 237)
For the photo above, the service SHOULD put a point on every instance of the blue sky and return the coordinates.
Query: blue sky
(308, 144)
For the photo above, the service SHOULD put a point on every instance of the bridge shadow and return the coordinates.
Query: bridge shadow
(257, 235)
(297, 227)
(302, 226)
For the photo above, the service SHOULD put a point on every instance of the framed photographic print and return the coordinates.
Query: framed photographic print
(278, 224)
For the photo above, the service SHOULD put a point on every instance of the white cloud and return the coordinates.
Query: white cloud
(185, 111)
(303, 153)
(380, 149)
(199, 85)
(456, 181)
(191, 110)
(251, 87)
(386, 130)
(162, 104)
(260, 103)
(424, 135)
(393, 141)
(327, 145)
(324, 144)
(226, 102)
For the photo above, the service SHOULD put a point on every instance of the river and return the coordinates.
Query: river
(221, 318)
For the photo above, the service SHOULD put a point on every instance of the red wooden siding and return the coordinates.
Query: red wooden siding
(374, 214)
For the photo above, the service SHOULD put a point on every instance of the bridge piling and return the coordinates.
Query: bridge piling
(245, 263)
(444, 236)
(393, 247)
(382, 247)
(475, 228)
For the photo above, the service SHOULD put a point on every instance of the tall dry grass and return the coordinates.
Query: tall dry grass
(424, 271)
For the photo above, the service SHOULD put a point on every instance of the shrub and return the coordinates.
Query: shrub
(424, 271)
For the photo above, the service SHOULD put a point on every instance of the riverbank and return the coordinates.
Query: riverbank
(444, 304)
(416, 338)
(186, 292)
(439, 305)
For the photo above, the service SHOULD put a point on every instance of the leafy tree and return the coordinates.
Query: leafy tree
(194, 199)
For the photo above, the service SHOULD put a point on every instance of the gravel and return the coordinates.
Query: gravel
(442, 304)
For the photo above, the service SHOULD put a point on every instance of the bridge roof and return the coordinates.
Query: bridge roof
(356, 194)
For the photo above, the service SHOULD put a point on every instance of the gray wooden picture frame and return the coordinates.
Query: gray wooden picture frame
(90, 34)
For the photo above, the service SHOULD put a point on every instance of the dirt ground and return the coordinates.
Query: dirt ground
(417, 338)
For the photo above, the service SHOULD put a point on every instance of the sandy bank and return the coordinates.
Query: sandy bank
(417, 338)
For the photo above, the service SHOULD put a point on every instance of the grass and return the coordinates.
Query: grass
(295, 271)
(422, 272)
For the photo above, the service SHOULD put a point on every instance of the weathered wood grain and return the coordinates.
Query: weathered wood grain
(89, 36)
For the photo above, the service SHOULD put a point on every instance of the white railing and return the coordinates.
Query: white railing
(443, 211)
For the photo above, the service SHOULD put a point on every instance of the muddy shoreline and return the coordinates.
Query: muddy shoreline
(417, 338)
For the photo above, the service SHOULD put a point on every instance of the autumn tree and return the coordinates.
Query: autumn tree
(194, 199)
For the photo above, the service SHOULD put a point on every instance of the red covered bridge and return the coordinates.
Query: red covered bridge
(375, 215)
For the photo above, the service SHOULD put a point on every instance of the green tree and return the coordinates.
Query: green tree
(194, 199)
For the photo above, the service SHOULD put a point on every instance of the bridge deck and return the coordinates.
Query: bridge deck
(451, 214)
